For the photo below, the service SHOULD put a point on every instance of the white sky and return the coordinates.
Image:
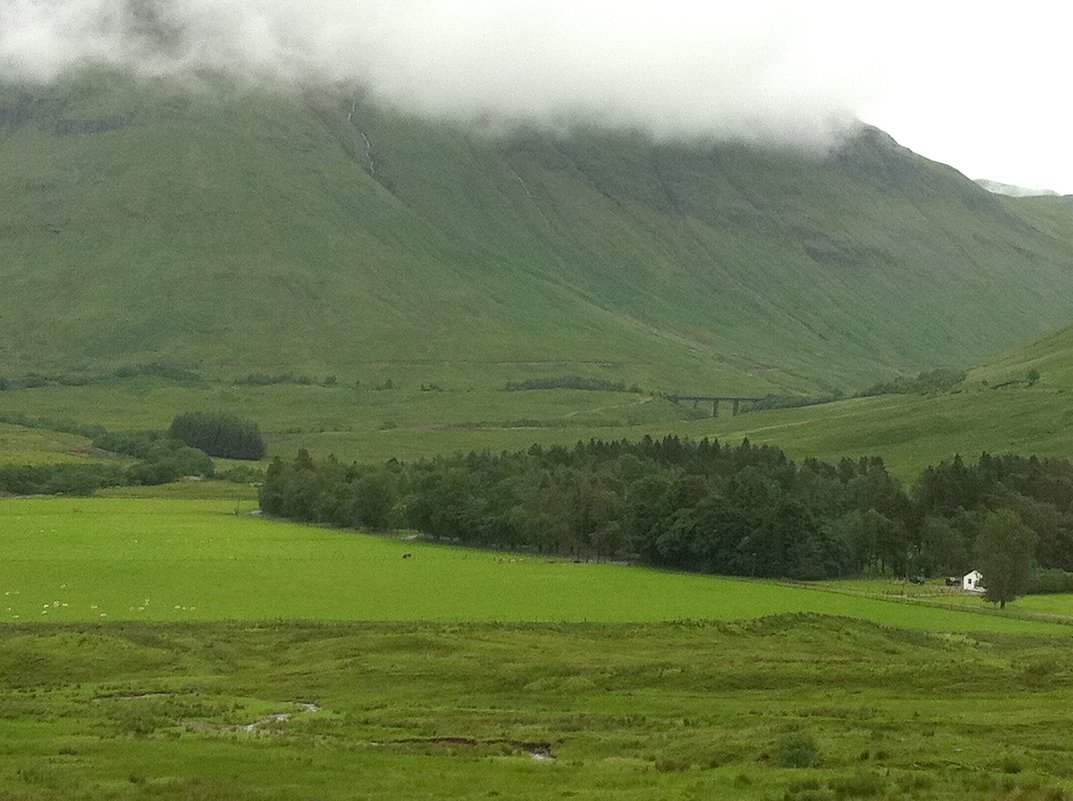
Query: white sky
(982, 86)
(979, 85)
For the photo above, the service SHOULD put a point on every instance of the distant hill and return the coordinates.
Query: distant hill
(1011, 190)
(238, 232)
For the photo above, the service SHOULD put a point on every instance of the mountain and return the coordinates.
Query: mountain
(236, 231)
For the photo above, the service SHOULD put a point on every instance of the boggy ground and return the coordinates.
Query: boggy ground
(792, 706)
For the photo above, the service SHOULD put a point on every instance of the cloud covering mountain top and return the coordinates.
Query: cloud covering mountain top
(774, 71)
(980, 86)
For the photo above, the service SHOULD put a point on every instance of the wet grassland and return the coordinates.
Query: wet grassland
(795, 706)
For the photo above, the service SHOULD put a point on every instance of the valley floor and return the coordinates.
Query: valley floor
(167, 643)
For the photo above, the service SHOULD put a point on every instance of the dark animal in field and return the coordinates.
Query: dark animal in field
(407, 556)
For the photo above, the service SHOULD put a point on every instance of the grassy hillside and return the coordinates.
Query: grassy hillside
(240, 232)
(1050, 355)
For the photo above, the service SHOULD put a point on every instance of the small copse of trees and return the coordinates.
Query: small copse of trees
(163, 458)
(219, 434)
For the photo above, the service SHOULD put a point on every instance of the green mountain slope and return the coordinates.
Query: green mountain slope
(236, 232)
(1052, 355)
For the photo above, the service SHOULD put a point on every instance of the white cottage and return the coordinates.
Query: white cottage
(973, 582)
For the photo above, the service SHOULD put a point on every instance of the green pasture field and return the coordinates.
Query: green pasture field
(793, 707)
(113, 559)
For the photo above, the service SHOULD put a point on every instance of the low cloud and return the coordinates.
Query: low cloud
(776, 71)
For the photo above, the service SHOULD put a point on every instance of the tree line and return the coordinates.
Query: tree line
(185, 449)
(705, 506)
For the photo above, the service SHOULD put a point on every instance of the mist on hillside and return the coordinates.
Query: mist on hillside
(773, 73)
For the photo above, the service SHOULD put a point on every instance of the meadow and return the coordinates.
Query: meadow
(150, 559)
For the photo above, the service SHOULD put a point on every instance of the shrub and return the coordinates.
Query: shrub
(1011, 765)
(795, 751)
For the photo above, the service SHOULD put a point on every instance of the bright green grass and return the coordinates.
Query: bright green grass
(435, 712)
(137, 559)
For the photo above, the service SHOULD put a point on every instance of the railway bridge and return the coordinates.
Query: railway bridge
(714, 400)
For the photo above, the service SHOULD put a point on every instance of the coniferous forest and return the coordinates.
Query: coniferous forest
(743, 510)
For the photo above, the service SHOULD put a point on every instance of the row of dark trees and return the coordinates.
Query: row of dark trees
(570, 382)
(738, 510)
